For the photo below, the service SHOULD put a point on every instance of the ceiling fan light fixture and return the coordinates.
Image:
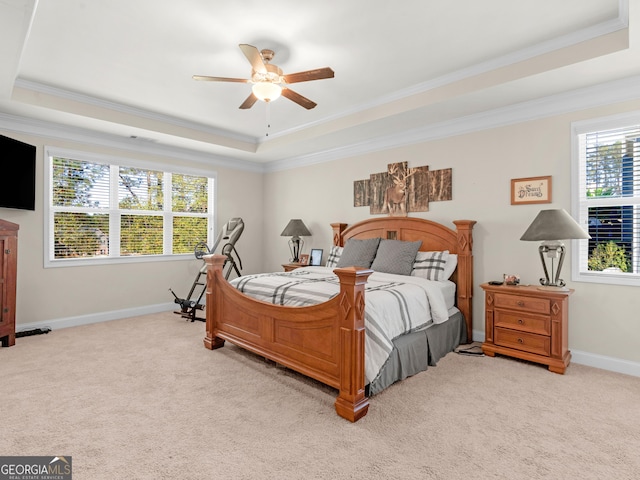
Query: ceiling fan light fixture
(268, 81)
(266, 91)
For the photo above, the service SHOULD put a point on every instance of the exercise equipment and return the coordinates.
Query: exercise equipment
(230, 233)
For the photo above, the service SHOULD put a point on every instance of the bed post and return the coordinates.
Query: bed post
(465, 272)
(351, 403)
(338, 228)
(214, 264)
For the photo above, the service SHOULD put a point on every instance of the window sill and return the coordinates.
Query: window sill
(87, 262)
(608, 278)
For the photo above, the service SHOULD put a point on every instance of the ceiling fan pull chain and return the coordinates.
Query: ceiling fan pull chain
(268, 117)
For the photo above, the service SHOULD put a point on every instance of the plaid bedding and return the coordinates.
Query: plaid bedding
(395, 304)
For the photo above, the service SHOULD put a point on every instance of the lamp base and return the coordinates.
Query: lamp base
(553, 281)
(552, 288)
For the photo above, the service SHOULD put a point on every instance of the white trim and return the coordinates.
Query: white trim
(478, 336)
(114, 161)
(129, 110)
(605, 123)
(58, 323)
(595, 360)
(589, 97)
(584, 127)
(45, 129)
(606, 363)
(564, 41)
(50, 151)
(604, 28)
(608, 93)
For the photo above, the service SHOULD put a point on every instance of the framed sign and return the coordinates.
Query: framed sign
(530, 190)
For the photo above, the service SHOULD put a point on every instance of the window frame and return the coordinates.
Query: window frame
(166, 213)
(579, 270)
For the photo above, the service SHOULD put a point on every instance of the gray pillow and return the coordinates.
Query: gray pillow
(396, 256)
(358, 253)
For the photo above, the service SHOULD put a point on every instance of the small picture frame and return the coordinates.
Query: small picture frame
(525, 191)
(304, 259)
(316, 257)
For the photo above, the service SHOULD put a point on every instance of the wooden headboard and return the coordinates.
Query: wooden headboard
(434, 237)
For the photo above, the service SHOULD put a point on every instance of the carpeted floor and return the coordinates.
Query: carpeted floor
(141, 398)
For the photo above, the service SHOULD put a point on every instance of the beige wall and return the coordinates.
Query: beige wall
(47, 295)
(603, 318)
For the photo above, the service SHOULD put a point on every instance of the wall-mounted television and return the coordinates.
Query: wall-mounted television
(17, 174)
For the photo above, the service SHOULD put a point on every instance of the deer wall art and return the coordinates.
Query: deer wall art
(401, 189)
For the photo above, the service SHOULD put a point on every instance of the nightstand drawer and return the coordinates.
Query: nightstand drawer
(522, 302)
(525, 322)
(527, 342)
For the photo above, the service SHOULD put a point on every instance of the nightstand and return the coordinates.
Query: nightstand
(528, 323)
(292, 266)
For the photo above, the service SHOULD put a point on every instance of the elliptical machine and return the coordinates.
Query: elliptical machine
(230, 232)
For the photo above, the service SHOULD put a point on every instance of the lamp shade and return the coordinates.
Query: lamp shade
(296, 228)
(554, 225)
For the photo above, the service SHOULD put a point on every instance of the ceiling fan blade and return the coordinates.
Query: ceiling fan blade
(254, 57)
(219, 79)
(248, 103)
(317, 74)
(297, 98)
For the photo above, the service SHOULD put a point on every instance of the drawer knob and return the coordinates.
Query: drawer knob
(520, 340)
(520, 321)
(520, 303)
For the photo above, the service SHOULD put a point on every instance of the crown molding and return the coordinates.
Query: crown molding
(129, 110)
(564, 41)
(604, 94)
(604, 28)
(29, 126)
(589, 97)
(611, 92)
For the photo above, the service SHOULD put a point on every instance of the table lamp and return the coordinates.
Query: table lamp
(296, 229)
(551, 227)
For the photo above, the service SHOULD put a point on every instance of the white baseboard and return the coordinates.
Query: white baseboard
(606, 363)
(591, 359)
(583, 358)
(67, 322)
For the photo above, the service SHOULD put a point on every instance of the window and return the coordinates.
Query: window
(607, 200)
(101, 212)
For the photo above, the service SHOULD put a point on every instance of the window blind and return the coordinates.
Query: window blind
(609, 200)
(102, 210)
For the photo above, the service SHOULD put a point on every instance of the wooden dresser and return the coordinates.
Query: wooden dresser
(8, 273)
(529, 323)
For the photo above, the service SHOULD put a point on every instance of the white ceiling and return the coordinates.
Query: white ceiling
(122, 68)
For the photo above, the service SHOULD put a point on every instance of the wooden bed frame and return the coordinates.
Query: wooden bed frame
(326, 341)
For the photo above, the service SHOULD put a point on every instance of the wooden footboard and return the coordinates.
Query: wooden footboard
(324, 341)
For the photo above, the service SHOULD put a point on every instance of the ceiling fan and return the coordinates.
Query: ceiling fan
(268, 80)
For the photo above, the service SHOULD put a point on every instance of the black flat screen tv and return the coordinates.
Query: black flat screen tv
(17, 174)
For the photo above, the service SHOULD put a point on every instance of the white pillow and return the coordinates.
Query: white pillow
(431, 265)
(334, 256)
(450, 266)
